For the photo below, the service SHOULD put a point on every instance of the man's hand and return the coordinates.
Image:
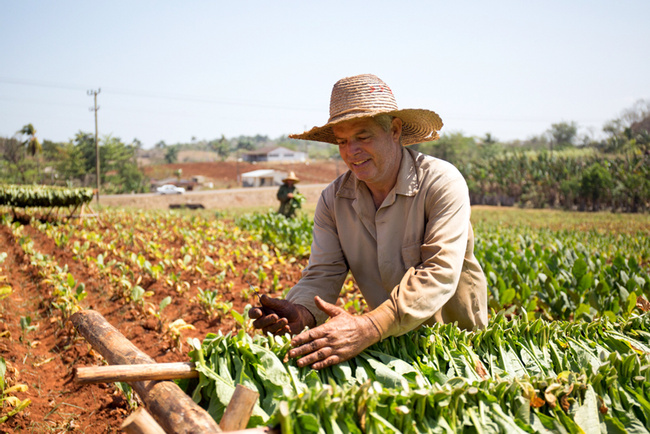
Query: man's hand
(341, 338)
(278, 316)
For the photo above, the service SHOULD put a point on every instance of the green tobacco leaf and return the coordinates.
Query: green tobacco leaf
(165, 302)
(309, 422)
(631, 303)
(70, 280)
(508, 296)
(586, 415)
(579, 269)
(384, 375)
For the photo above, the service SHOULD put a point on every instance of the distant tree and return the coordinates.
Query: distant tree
(596, 181)
(70, 163)
(85, 142)
(31, 143)
(13, 161)
(171, 155)
(245, 144)
(639, 111)
(221, 147)
(630, 131)
(489, 148)
(489, 140)
(137, 144)
(120, 172)
(563, 134)
(12, 150)
(454, 147)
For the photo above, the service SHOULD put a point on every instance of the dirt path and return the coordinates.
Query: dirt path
(41, 356)
(212, 199)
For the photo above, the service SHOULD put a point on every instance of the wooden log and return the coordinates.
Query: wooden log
(264, 430)
(172, 408)
(141, 422)
(129, 373)
(239, 410)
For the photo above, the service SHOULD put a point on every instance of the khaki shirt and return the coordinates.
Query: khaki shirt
(413, 258)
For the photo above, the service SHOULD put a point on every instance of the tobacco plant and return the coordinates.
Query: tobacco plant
(10, 404)
(514, 376)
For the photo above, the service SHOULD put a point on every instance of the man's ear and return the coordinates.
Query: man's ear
(396, 129)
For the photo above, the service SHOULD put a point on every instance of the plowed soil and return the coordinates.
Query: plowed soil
(44, 355)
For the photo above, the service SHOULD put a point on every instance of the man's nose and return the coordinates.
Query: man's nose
(354, 146)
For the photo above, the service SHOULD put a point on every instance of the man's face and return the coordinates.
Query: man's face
(372, 154)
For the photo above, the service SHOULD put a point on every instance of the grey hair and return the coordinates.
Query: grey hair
(385, 121)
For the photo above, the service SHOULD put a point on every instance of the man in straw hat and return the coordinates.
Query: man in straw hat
(398, 220)
(286, 195)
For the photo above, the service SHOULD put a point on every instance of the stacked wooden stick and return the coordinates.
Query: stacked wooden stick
(168, 409)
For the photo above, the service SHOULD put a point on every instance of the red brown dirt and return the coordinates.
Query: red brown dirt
(44, 358)
(224, 173)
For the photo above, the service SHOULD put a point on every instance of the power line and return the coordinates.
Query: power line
(207, 100)
(157, 95)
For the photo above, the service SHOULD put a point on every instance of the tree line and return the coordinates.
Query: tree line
(558, 168)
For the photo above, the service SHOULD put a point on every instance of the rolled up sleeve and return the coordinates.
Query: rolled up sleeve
(427, 287)
(327, 268)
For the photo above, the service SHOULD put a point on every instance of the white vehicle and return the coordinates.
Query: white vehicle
(170, 189)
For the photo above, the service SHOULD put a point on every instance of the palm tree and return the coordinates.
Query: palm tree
(31, 144)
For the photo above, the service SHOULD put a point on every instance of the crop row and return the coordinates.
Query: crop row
(514, 376)
(566, 347)
(43, 196)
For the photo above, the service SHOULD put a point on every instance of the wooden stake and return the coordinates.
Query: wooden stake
(129, 373)
(141, 422)
(264, 430)
(239, 409)
(172, 408)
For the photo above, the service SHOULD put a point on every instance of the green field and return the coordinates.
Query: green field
(567, 348)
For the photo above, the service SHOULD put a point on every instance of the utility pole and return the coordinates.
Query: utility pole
(95, 108)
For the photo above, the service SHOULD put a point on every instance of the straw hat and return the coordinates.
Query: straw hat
(292, 177)
(365, 96)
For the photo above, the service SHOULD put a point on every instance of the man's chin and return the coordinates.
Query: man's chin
(363, 173)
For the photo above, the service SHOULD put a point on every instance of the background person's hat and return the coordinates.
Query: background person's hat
(366, 96)
(291, 177)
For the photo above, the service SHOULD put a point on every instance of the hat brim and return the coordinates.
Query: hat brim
(418, 126)
(295, 180)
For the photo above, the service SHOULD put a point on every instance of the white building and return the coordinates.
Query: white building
(263, 178)
(274, 154)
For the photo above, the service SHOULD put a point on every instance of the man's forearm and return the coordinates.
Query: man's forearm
(306, 317)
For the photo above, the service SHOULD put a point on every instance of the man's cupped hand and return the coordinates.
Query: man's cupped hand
(342, 337)
(277, 316)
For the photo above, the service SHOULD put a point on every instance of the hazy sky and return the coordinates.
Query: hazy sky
(176, 70)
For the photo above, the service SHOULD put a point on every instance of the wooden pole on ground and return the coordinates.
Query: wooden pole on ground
(239, 409)
(172, 408)
(129, 373)
(141, 422)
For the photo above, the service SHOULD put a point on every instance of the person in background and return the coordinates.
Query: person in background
(399, 220)
(287, 194)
